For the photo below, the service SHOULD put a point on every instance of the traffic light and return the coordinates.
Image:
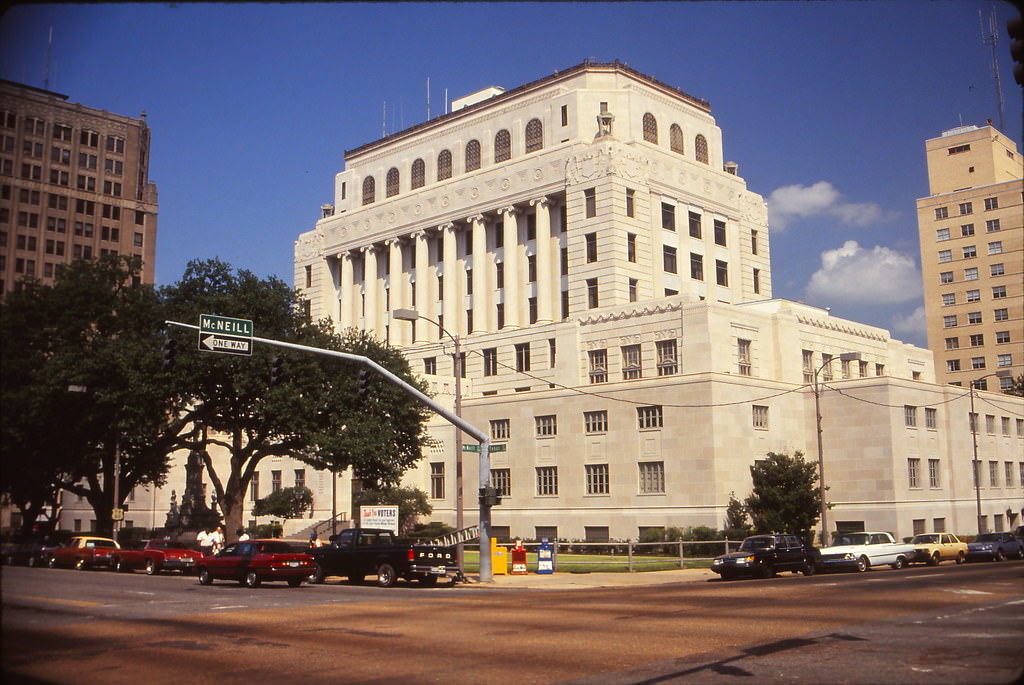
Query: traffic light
(364, 385)
(489, 496)
(276, 371)
(1015, 27)
(169, 350)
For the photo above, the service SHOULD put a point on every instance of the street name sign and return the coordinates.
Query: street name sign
(469, 447)
(225, 334)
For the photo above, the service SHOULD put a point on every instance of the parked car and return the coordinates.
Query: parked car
(861, 550)
(31, 553)
(995, 547)
(934, 548)
(82, 552)
(156, 556)
(763, 556)
(359, 552)
(254, 561)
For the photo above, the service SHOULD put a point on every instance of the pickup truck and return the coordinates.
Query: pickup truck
(860, 551)
(82, 552)
(155, 556)
(359, 552)
(933, 548)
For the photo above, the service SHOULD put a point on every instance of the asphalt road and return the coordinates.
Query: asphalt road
(952, 624)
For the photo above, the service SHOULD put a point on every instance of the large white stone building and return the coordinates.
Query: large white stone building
(607, 274)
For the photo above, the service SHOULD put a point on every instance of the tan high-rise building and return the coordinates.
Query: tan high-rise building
(972, 262)
(74, 183)
(607, 274)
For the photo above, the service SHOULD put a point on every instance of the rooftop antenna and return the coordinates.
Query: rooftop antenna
(49, 52)
(428, 98)
(992, 38)
(384, 121)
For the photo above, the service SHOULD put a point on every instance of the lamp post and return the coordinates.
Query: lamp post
(413, 315)
(846, 357)
(976, 465)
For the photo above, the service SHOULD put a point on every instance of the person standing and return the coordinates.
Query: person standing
(217, 540)
(204, 542)
(242, 535)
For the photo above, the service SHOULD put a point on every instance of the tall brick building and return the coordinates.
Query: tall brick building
(74, 183)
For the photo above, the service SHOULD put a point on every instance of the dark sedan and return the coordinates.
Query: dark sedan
(995, 547)
(254, 561)
(762, 556)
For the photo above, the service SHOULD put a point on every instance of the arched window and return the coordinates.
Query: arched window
(534, 135)
(391, 189)
(675, 138)
(473, 155)
(444, 165)
(419, 172)
(650, 128)
(368, 190)
(502, 146)
(700, 149)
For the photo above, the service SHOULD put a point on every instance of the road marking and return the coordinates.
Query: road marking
(968, 592)
(230, 606)
(72, 602)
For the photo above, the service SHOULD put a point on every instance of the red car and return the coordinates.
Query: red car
(83, 552)
(156, 556)
(254, 561)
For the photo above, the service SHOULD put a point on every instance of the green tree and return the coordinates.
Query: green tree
(94, 331)
(1017, 388)
(785, 495)
(737, 524)
(313, 415)
(411, 502)
(286, 503)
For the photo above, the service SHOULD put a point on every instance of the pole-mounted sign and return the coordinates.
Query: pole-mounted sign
(224, 334)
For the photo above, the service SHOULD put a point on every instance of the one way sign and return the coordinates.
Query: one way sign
(224, 334)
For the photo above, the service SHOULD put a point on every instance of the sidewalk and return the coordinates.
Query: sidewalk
(562, 581)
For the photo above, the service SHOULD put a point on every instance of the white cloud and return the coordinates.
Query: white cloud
(853, 275)
(912, 325)
(790, 203)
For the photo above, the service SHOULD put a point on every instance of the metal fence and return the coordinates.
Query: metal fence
(632, 556)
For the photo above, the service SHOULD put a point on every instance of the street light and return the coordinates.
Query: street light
(973, 420)
(846, 357)
(413, 315)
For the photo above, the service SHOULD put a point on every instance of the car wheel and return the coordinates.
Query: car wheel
(764, 571)
(899, 563)
(205, 577)
(52, 562)
(1020, 553)
(115, 565)
(252, 579)
(935, 559)
(150, 567)
(32, 561)
(317, 576)
(386, 575)
(863, 564)
(998, 555)
(808, 569)
(294, 582)
(355, 578)
(960, 558)
(728, 576)
(80, 564)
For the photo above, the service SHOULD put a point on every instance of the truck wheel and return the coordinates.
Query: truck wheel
(960, 558)
(899, 563)
(252, 579)
(317, 576)
(386, 575)
(935, 560)
(863, 564)
(355, 578)
(428, 581)
(205, 577)
(150, 567)
(294, 582)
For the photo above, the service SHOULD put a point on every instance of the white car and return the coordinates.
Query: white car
(861, 551)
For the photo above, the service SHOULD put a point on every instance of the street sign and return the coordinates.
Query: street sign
(225, 334)
(476, 448)
(497, 448)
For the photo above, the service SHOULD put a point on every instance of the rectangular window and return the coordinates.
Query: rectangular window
(437, 480)
(591, 239)
(631, 365)
(997, 269)
(430, 366)
(913, 469)
(695, 230)
(1008, 473)
(547, 480)
(948, 299)
(909, 416)
(501, 480)
(1004, 424)
(669, 259)
(942, 235)
(595, 421)
(1001, 314)
(998, 292)
(977, 362)
(254, 486)
(652, 477)
(633, 290)
(300, 478)
(592, 299)
(522, 356)
(1002, 336)
(597, 479)
(743, 354)
(977, 340)
(992, 225)
(993, 474)
(991, 203)
(490, 361)
(630, 202)
(930, 417)
(696, 266)
(719, 232)
(753, 242)
(598, 366)
(945, 256)
(668, 216)
(933, 473)
(946, 277)
(973, 317)
(966, 208)
(941, 213)
(275, 481)
(500, 429)
(808, 366)
(757, 281)
(760, 417)
(967, 230)
(649, 417)
(1004, 360)
(590, 202)
(721, 272)
(631, 247)
(546, 426)
(973, 295)
(668, 364)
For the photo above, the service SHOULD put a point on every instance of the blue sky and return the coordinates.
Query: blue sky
(824, 105)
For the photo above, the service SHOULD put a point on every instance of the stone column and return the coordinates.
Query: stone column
(370, 286)
(450, 301)
(547, 290)
(399, 332)
(347, 304)
(425, 295)
(513, 277)
(482, 301)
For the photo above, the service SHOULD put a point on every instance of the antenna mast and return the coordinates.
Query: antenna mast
(992, 38)
(49, 52)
